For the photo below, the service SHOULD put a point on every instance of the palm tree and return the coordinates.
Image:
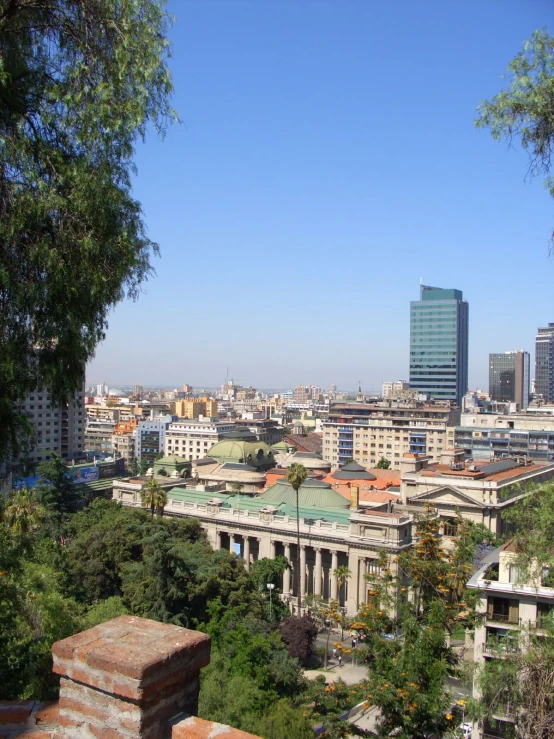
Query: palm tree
(24, 512)
(342, 573)
(236, 488)
(296, 476)
(154, 497)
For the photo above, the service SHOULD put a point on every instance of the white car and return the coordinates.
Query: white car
(466, 729)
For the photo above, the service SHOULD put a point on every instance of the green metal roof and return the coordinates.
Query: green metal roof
(253, 453)
(314, 493)
(255, 503)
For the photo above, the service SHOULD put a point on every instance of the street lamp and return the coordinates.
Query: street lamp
(271, 587)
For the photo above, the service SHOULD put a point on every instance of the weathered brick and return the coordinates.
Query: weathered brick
(47, 715)
(82, 709)
(197, 728)
(15, 712)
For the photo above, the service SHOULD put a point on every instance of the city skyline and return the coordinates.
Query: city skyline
(295, 170)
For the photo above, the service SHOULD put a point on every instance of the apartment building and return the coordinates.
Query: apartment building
(507, 605)
(196, 407)
(495, 435)
(264, 430)
(368, 432)
(57, 429)
(98, 436)
(123, 440)
(193, 438)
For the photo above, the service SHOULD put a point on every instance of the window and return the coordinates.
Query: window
(504, 610)
(513, 574)
(450, 527)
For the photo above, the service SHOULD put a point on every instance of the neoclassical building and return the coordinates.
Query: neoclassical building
(333, 532)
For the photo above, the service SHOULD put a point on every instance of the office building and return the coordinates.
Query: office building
(509, 377)
(150, 438)
(368, 432)
(439, 344)
(544, 363)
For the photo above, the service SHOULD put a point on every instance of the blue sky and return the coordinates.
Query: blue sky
(327, 160)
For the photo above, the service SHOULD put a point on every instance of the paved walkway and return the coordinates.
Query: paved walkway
(348, 672)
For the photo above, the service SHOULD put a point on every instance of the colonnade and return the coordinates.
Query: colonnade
(317, 563)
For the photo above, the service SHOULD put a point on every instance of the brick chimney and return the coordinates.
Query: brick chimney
(127, 678)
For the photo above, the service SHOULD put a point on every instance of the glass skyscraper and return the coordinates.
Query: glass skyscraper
(544, 363)
(438, 343)
(509, 377)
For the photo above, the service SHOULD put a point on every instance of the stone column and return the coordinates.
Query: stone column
(317, 571)
(273, 548)
(352, 584)
(231, 542)
(246, 553)
(362, 582)
(218, 539)
(286, 573)
(334, 567)
(302, 573)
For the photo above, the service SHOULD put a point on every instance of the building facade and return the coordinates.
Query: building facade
(368, 432)
(478, 491)
(192, 438)
(506, 604)
(439, 344)
(150, 438)
(491, 436)
(57, 429)
(509, 377)
(544, 363)
(331, 534)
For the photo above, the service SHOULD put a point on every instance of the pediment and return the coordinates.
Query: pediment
(447, 495)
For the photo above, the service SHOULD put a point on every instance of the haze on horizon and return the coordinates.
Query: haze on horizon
(327, 161)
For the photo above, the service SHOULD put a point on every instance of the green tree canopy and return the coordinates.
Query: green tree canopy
(80, 80)
(524, 111)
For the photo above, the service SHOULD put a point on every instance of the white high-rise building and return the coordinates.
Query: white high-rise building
(57, 429)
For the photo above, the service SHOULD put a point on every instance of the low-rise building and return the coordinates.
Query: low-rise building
(331, 533)
(368, 432)
(479, 491)
(507, 605)
(491, 435)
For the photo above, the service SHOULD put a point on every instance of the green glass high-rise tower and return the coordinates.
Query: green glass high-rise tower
(439, 343)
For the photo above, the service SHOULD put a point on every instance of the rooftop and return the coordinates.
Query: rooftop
(492, 472)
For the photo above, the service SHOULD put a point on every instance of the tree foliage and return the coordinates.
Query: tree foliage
(80, 80)
(299, 634)
(525, 109)
(406, 629)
